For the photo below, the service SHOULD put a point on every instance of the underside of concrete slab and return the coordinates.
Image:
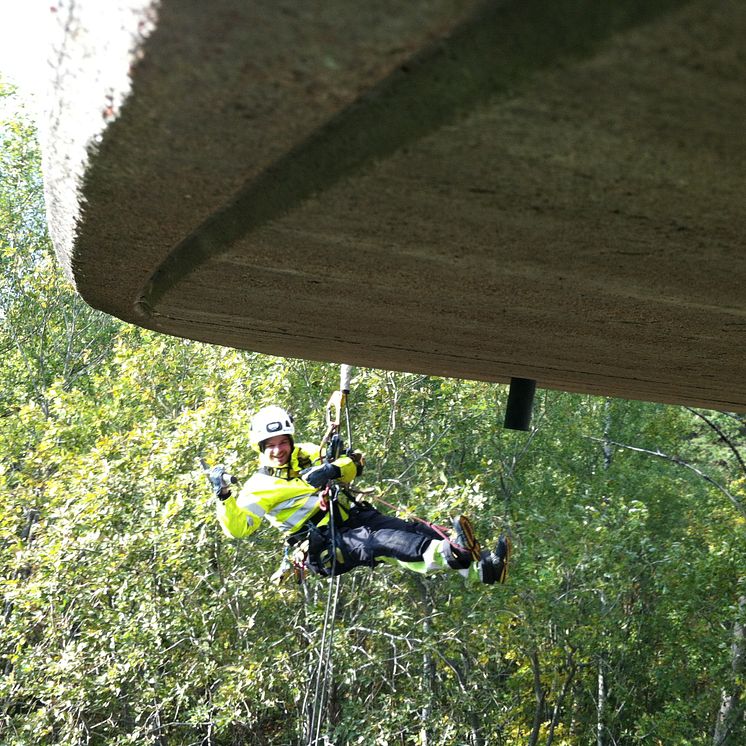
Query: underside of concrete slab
(552, 191)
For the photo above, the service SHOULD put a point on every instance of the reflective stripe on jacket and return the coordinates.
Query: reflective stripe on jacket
(278, 495)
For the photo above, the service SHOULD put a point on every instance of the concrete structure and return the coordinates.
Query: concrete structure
(549, 190)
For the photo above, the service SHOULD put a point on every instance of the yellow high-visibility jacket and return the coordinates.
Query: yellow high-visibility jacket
(278, 494)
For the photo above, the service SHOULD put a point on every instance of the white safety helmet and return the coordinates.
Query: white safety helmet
(267, 423)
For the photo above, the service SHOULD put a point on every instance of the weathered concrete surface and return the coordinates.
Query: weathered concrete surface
(546, 190)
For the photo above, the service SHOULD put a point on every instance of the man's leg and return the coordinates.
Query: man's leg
(372, 536)
(463, 555)
(369, 537)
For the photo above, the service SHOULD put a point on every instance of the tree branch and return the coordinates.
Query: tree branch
(722, 437)
(680, 462)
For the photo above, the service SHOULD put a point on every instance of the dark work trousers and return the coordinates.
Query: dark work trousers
(364, 537)
(367, 535)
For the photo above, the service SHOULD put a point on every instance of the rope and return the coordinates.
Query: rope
(322, 674)
(349, 428)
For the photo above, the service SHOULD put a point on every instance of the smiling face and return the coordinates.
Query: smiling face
(277, 450)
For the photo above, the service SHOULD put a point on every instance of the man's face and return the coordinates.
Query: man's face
(277, 450)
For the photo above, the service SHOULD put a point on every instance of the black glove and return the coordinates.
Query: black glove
(335, 448)
(220, 479)
(320, 476)
(358, 458)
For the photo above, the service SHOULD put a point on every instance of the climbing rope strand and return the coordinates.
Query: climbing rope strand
(324, 667)
(321, 674)
(349, 428)
(326, 656)
(308, 720)
(327, 637)
(319, 677)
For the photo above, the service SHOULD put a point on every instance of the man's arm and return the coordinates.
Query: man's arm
(348, 468)
(236, 523)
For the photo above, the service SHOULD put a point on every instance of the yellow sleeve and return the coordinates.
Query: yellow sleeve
(236, 523)
(347, 467)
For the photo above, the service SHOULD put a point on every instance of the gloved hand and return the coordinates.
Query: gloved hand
(358, 458)
(335, 448)
(319, 476)
(220, 479)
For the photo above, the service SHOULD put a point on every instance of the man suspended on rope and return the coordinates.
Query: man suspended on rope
(292, 490)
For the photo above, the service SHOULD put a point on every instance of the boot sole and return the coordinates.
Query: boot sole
(472, 545)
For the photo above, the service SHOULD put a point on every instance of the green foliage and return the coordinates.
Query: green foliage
(129, 618)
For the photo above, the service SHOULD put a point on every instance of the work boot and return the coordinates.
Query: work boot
(456, 558)
(464, 549)
(463, 533)
(493, 566)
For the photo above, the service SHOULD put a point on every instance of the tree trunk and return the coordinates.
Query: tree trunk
(600, 703)
(428, 665)
(572, 668)
(27, 536)
(539, 697)
(732, 710)
(601, 680)
(474, 718)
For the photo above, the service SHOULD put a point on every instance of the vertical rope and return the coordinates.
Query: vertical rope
(322, 676)
(325, 665)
